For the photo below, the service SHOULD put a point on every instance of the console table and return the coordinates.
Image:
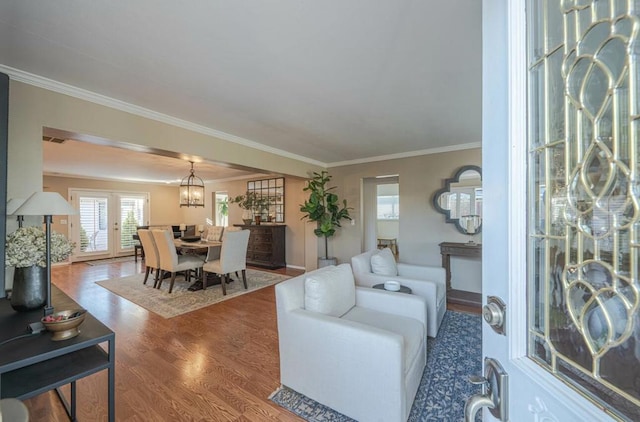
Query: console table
(34, 365)
(472, 250)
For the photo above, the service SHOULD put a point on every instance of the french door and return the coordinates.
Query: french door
(561, 134)
(106, 222)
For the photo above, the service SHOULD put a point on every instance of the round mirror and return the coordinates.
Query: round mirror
(460, 200)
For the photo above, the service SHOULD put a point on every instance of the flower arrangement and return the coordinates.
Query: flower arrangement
(27, 246)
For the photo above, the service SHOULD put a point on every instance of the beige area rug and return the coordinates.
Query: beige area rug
(110, 260)
(181, 300)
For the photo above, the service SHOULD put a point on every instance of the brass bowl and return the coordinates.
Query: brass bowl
(67, 325)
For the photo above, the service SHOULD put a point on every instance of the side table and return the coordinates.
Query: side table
(35, 364)
(403, 289)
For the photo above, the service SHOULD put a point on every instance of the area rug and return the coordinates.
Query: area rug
(110, 260)
(181, 300)
(452, 356)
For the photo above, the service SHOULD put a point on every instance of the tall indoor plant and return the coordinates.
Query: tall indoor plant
(324, 207)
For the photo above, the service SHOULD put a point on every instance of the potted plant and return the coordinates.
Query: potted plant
(26, 251)
(248, 203)
(325, 209)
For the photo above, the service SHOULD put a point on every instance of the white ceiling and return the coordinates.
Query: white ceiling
(332, 81)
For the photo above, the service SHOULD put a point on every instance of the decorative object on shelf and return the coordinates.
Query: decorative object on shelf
(192, 190)
(55, 247)
(29, 288)
(324, 208)
(471, 223)
(253, 204)
(64, 324)
(273, 191)
(461, 196)
(183, 228)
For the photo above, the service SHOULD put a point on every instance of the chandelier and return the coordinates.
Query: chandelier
(192, 190)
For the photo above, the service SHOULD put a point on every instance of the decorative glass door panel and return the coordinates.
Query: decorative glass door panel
(94, 224)
(132, 214)
(584, 195)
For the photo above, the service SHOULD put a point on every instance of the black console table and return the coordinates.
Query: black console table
(471, 250)
(33, 365)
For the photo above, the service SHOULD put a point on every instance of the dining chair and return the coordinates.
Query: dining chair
(170, 261)
(151, 260)
(233, 257)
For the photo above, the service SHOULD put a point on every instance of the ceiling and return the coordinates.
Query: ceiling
(329, 81)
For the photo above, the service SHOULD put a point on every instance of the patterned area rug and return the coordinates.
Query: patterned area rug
(181, 300)
(129, 258)
(452, 356)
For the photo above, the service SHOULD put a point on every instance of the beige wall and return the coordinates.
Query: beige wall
(421, 227)
(295, 232)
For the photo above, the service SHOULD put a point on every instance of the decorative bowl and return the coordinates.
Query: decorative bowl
(190, 239)
(64, 324)
(392, 286)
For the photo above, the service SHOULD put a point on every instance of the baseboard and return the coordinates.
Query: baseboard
(296, 267)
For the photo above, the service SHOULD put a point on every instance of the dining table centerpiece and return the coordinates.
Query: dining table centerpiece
(25, 250)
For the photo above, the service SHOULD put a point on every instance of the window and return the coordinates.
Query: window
(388, 202)
(221, 209)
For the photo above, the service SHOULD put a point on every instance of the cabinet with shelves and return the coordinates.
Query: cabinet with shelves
(266, 245)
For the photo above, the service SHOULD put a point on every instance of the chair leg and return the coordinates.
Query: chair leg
(244, 278)
(156, 278)
(160, 279)
(173, 279)
(223, 282)
(204, 280)
(146, 275)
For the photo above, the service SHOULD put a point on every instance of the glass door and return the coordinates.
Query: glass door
(106, 222)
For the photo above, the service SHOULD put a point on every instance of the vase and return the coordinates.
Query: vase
(29, 288)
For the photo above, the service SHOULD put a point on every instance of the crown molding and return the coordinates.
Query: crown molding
(409, 154)
(83, 94)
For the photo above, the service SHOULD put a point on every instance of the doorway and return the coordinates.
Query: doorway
(106, 222)
(381, 212)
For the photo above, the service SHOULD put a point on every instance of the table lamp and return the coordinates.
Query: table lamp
(12, 205)
(46, 204)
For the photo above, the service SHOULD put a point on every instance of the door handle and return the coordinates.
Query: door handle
(494, 394)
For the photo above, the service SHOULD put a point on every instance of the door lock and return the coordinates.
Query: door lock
(494, 313)
(494, 394)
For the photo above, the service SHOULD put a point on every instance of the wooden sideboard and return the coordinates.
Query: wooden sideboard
(471, 250)
(266, 245)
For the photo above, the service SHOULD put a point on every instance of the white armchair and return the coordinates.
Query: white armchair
(428, 282)
(358, 351)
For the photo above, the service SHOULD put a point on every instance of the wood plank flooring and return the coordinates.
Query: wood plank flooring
(218, 363)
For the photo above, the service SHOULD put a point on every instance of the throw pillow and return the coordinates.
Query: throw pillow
(330, 290)
(384, 263)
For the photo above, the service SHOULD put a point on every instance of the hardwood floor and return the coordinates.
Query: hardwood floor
(218, 363)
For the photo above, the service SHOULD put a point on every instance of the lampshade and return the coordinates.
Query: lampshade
(45, 203)
(192, 190)
(13, 204)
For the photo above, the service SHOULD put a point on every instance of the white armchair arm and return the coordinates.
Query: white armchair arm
(419, 272)
(332, 359)
(411, 306)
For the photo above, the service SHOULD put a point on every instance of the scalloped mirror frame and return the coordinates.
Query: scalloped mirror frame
(447, 188)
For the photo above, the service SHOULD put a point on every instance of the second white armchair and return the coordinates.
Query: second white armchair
(428, 282)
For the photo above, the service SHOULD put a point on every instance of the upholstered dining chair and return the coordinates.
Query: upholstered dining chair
(233, 258)
(170, 261)
(151, 260)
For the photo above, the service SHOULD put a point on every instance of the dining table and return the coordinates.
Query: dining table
(200, 247)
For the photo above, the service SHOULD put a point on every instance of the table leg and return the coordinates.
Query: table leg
(111, 371)
(73, 401)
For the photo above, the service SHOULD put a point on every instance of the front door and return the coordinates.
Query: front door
(561, 155)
